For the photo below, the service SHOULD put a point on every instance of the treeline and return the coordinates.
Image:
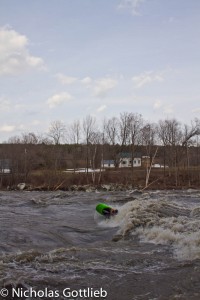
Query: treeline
(84, 143)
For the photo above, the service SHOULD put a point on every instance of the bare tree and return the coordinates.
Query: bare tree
(14, 140)
(170, 133)
(162, 136)
(149, 140)
(111, 134)
(135, 122)
(74, 137)
(189, 132)
(112, 130)
(29, 138)
(43, 139)
(176, 140)
(124, 129)
(96, 140)
(57, 131)
(75, 132)
(89, 124)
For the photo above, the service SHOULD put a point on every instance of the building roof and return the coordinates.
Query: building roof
(129, 155)
(108, 161)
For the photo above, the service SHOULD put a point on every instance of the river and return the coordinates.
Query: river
(53, 245)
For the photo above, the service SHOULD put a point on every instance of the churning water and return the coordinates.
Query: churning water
(50, 241)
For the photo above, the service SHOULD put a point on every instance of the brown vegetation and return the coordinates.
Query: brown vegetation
(40, 161)
(59, 180)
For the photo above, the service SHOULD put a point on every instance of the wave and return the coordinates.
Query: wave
(161, 222)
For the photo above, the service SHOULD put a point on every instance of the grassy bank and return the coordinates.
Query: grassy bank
(54, 180)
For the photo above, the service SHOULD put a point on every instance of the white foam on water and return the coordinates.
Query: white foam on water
(162, 222)
(117, 220)
(195, 212)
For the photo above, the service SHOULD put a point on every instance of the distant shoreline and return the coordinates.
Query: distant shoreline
(100, 188)
(120, 179)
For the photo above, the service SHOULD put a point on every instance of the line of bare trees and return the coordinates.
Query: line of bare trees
(169, 139)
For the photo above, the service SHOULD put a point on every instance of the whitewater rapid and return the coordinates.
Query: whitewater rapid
(56, 240)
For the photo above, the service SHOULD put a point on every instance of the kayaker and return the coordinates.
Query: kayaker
(106, 210)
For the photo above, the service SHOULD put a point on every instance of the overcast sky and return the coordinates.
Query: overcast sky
(65, 59)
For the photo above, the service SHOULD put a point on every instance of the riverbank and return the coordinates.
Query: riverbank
(99, 188)
(110, 180)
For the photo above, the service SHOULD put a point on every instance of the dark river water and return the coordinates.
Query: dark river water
(53, 245)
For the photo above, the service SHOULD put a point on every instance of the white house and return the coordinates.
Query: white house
(108, 163)
(125, 160)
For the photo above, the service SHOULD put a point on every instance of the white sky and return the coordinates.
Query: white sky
(65, 59)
